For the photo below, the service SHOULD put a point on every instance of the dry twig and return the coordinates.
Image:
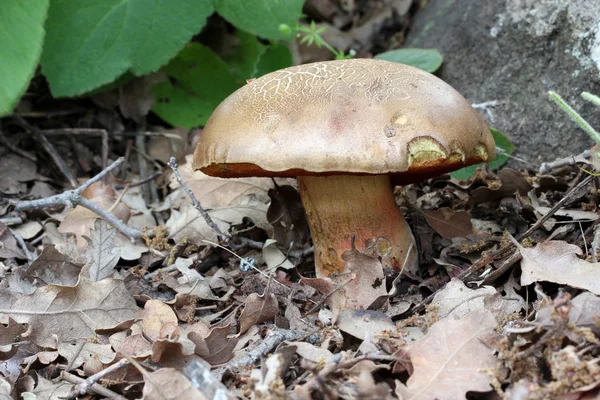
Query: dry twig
(71, 198)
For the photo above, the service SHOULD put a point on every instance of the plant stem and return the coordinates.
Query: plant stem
(575, 116)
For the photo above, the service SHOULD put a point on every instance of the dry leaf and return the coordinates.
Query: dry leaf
(273, 257)
(101, 254)
(71, 312)
(449, 224)
(53, 267)
(169, 383)
(258, 309)
(8, 244)
(136, 346)
(312, 353)
(50, 390)
(360, 323)
(13, 171)
(10, 334)
(368, 283)
(557, 261)
(267, 380)
(215, 348)
(83, 352)
(5, 389)
(28, 230)
(450, 360)
(457, 300)
(157, 319)
(512, 182)
(286, 214)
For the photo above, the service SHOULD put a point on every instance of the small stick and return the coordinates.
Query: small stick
(48, 147)
(84, 384)
(547, 167)
(4, 140)
(195, 202)
(488, 259)
(70, 198)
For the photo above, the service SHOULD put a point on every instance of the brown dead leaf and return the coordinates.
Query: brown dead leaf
(557, 261)
(215, 348)
(169, 384)
(8, 244)
(286, 215)
(368, 283)
(360, 323)
(457, 300)
(450, 360)
(512, 182)
(15, 170)
(273, 257)
(312, 353)
(80, 220)
(449, 224)
(10, 334)
(136, 346)
(80, 353)
(53, 267)
(5, 389)
(50, 390)
(158, 320)
(258, 309)
(70, 312)
(102, 257)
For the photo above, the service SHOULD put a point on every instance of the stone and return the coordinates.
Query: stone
(514, 52)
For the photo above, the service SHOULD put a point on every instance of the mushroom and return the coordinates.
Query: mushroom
(343, 128)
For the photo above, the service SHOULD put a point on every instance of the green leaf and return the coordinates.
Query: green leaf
(245, 56)
(427, 59)
(276, 56)
(21, 37)
(200, 81)
(270, 19)
(91, 43)
(502, 143)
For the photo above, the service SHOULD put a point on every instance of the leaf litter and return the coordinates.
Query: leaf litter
(504, 305)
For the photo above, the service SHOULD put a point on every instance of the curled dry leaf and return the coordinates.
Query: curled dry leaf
(451, 359)
(79, 354)
(258, 309)
(512, 182)
(286, 215)
(215, 348)
(158, 320)
(136, 346)
(557, 261)
(449, 224)
(71, 312)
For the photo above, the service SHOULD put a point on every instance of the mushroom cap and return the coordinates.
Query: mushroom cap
(357, 116)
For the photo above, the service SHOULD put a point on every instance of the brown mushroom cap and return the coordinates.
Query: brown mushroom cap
(358, 116)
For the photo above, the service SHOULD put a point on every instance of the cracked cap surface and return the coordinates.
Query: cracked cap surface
(357, 116)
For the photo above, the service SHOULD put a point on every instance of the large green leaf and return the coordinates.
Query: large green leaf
(276, 56)
(21, 37)
(271, 19)
(200, 80)
(427, 59)
(90, 43)
(506, 149)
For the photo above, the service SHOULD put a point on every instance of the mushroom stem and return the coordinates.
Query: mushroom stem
(339, 207)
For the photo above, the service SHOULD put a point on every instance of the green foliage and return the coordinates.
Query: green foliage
(310, 35)
(20, 47)
(201, 80)
(262, 17)
(90, 44)
(504, 148)
(426, 59)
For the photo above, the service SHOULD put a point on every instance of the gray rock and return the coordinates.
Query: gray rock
(515, 51)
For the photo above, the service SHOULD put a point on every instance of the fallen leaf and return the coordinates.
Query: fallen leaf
(136, 346)
(8, 244)
(512, 182)
(450, 359)
(312, 353)
(5, 389)
(287, 216)
(449, 224)
(156, 317)
(71, 312)
(258, 309)
(360, 323)
(53, 267)
(267, 382)
(557, 261)
(13, 171)
(50, 390)
(215, 348)
(81, 353)
(273, 257)
(457, 300)
(28, 230)
(10, 335)
(101, 255)
(169, 383)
